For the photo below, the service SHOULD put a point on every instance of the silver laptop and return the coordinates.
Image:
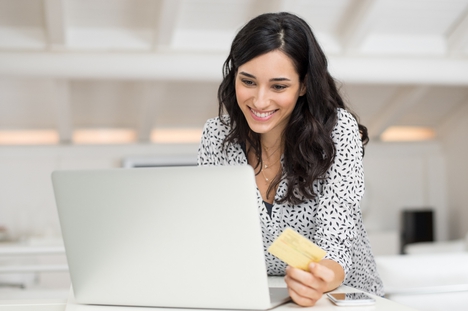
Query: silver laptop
(183, 237)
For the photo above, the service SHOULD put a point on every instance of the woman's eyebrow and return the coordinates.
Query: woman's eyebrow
(253, 77)
(280, 79)
(247, 74)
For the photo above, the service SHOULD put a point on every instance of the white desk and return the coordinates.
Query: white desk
(322, 305)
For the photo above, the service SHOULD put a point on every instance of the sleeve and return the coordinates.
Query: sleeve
(206, 154)
(341, 193)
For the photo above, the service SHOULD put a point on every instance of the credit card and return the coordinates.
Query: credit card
(296, 250)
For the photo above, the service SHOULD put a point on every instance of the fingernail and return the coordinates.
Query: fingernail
(311, 265)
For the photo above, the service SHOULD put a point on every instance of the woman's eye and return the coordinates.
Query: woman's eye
(248, 82)
(277, 87)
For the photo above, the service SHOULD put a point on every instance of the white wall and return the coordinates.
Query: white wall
(27, 205)
(455, 143)
(397, 176)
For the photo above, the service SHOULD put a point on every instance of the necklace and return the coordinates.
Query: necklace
(271, 154)
(265, 164)
(267, 180)
(268, 156)
(268, 166)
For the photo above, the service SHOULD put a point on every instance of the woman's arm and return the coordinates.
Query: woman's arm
(335, 227)
(307, 287)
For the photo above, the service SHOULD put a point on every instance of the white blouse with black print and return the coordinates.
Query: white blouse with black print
(332, 220)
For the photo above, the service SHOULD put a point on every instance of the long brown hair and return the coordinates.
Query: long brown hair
(308, 147)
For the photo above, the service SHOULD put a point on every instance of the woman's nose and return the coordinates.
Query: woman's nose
(262, 100)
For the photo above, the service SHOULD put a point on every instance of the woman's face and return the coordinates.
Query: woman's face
(267, 89)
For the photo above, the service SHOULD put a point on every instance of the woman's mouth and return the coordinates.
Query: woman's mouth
(261, 116)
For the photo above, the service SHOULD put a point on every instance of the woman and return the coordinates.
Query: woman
(280, 112)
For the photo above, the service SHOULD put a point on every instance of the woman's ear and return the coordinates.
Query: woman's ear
(303, 89)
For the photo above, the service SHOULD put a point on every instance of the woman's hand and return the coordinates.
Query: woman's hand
(307, 287)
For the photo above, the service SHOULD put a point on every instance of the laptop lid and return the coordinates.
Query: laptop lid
(186, 237)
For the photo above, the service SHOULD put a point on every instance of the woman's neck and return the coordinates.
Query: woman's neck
(270, 144)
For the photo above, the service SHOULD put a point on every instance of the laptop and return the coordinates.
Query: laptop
(180, 237)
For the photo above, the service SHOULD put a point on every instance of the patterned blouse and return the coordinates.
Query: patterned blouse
(332, 220)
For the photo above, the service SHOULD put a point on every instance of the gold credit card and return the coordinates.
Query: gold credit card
(296, 250)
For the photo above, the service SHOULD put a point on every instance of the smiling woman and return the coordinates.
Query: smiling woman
(281, 113)
(267, 89)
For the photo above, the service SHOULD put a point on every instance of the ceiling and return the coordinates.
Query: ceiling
(144, 65)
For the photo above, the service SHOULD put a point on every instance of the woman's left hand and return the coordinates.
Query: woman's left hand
(307, 287)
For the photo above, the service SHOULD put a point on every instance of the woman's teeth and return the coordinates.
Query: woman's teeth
(262, 114)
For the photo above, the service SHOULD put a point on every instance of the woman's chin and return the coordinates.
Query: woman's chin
(259, 128)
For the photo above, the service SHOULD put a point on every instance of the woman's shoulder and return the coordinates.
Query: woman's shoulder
(346, 130)
(216, 122)
(345, 122)
(217, 127)
(344, 116)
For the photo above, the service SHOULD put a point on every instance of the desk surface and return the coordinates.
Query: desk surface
(322, 305)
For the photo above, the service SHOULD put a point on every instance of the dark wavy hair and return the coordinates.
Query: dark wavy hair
(309, 150)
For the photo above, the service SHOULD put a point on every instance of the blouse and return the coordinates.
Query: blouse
(332, 220)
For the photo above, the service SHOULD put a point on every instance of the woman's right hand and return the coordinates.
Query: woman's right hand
(307, 287)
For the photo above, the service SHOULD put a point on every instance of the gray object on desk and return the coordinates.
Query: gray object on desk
(186, 237)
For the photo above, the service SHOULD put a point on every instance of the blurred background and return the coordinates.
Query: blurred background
(126, 83)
